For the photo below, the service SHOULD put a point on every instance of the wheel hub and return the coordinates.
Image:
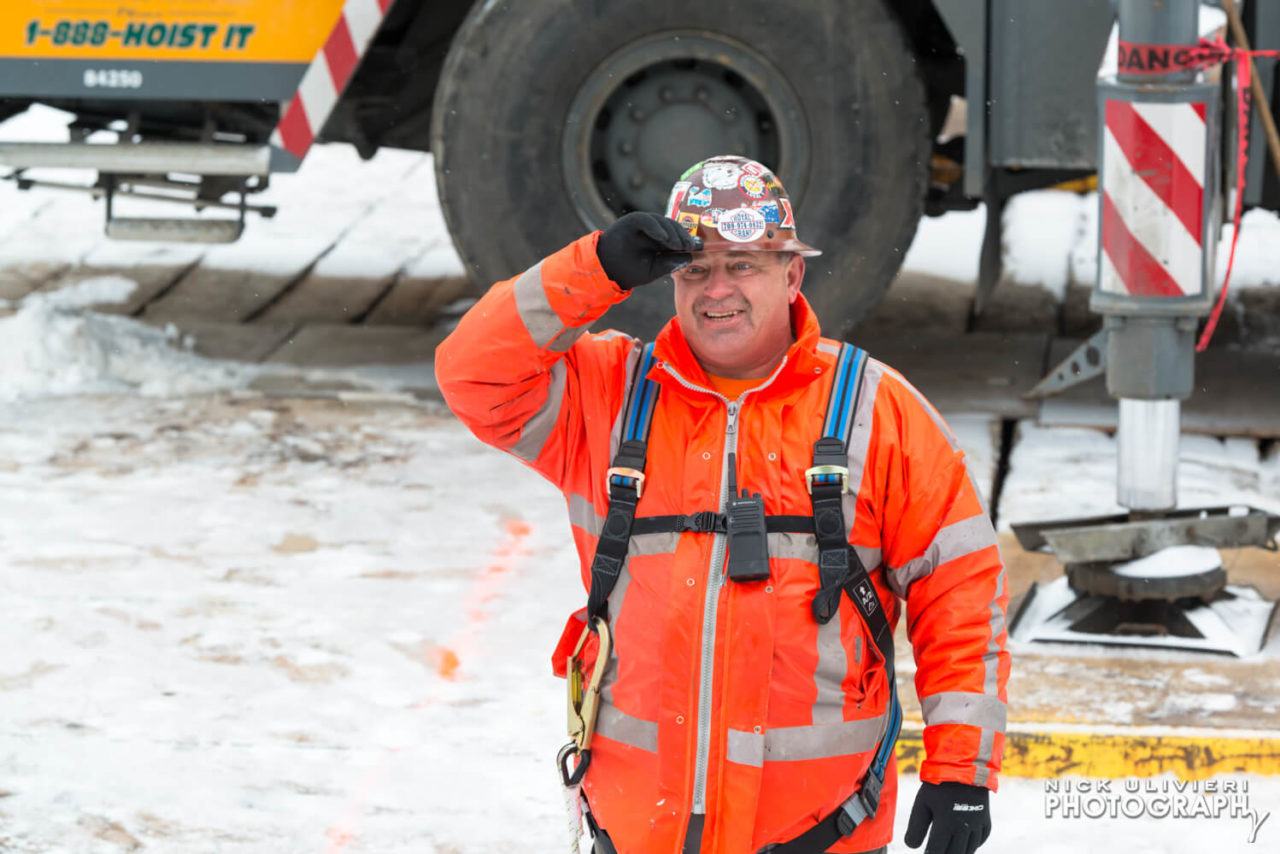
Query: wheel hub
(659, 105)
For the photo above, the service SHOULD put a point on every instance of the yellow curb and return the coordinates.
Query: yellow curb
(1119, 752)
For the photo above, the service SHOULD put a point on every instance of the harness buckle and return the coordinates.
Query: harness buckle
(623, 471)
(818, 471)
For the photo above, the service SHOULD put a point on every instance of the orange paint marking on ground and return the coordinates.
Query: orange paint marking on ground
(446, 660)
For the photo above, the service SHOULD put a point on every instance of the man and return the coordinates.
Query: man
(735, 714)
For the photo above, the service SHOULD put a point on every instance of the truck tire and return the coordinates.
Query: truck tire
(553, 118)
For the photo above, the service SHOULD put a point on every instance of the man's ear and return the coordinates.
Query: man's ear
(795, 276)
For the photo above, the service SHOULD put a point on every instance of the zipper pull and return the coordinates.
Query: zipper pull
(732, 425)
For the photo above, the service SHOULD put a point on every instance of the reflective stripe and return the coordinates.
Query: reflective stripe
(539, 318)
(829, 347)
(991, 659)
(805, 547)
(990, 680)
(745, 748)
(952, 541)
(660, 543)
(563, 342)
(621, 727)
(964, 707)
(538, 429)
(828, 676)
(794, 546)
(986, 745)
(583, 514)
(822, 741)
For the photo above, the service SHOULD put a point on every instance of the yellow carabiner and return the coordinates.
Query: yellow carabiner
(584, 697)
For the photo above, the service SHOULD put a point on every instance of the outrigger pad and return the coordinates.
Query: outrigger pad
(1235, 622)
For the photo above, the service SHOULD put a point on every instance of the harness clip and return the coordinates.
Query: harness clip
(584, 690)
(622, 471)
(818, 471)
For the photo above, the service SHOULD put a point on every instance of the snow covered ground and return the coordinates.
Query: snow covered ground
(245, 625)
(258, 625)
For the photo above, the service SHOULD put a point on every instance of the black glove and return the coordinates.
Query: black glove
(643, 247)
(960, 814)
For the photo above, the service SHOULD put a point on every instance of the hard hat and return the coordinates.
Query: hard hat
(733, 202)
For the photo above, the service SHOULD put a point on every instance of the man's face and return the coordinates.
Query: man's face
(735, 309)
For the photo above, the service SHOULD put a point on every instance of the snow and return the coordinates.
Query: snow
(1058, 473)
(329, 643)
(1172, 562)
(52, 346)
(1040, 232)
(948, 246)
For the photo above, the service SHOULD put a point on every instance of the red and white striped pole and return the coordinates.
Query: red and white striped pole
(1158, 226)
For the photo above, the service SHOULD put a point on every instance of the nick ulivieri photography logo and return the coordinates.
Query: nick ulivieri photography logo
(1134, 798)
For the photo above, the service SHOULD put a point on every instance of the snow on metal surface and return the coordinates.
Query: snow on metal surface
(1173, 562)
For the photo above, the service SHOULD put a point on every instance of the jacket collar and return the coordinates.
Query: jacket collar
(802, 365)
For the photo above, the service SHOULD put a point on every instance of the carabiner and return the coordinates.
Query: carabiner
(574, 777)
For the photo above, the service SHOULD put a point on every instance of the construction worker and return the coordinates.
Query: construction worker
(746, 701)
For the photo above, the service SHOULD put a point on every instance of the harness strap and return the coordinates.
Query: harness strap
(710, 522)
(625, 481)
(840, 569)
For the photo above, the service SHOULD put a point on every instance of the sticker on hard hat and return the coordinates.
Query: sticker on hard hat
(678, 192)
(721, 176)
(689, 221)
(753, 186)
(711, 217)
(741, 225)
(751, 167)
(788, 221)
(770, 211)
(700, 197)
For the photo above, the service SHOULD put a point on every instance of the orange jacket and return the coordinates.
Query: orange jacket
(722, 698)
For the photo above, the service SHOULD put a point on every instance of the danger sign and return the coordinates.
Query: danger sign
(1136, 58)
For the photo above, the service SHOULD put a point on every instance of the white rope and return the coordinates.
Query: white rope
(572, 813)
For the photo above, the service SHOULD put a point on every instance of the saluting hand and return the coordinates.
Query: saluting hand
(643, 247)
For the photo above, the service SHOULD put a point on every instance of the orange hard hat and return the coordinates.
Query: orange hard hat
(734, 202)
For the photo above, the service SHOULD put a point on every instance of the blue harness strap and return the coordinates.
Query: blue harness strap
(625, 482)
(841, 571)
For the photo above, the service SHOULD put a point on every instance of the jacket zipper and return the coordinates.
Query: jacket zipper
(715, 581)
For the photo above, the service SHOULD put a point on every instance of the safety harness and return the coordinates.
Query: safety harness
(839, 567)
